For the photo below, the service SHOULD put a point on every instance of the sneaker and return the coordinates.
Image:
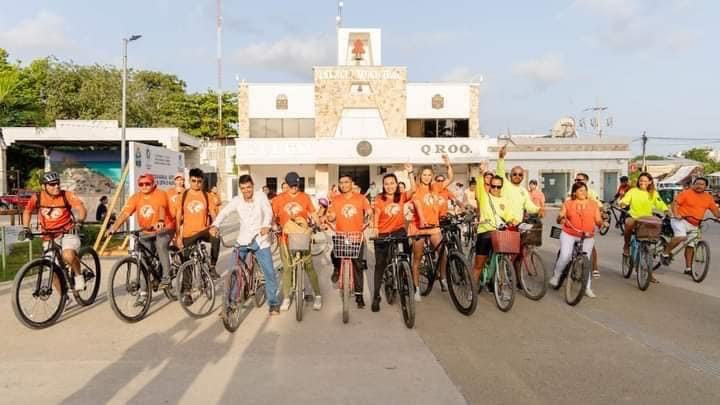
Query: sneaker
(79, 282)
(375, 307)
(140, 301)
(360, 301)
(285, 306)
(665, 259)
(443, 285)
(589, 293)
(555, 281)
(335, 276)
(213, 273)
(317, 305)
(418, 298)
(688, 271)
(274, 310)
(187, 300)
(165, 282)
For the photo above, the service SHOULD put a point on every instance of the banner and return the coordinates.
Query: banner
(158, 161)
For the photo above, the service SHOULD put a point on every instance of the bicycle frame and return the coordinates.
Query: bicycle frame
(242, 274)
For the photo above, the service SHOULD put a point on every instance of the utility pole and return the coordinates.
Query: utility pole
(644, 144)
(123, 161)
(597, 121)
(221, 154)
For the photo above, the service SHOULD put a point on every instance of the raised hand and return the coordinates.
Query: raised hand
(502, 152)
(446, 159)
(408, 167)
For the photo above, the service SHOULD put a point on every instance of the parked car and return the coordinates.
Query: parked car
(17, 200)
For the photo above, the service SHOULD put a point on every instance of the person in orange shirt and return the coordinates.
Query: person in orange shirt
(349, 210)
(294, 205)
(445, 198)
(152, 212)
(195, 211)
(388, 220)
(55, 214)
(427, 220)
(174, 193)
(688, 210)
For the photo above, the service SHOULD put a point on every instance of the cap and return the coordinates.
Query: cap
(179, 174)
(292, 179)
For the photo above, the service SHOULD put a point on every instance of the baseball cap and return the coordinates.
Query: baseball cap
(179, 174)
(292, 179)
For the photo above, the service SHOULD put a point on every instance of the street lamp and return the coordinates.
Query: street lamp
(124, 104)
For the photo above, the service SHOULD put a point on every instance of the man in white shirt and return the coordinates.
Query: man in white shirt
(255, 215)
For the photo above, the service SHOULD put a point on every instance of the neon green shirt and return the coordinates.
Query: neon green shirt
(517, 196)
(488, 220)
(642, 203)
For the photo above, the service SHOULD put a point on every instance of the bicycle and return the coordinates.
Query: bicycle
(298, 244)
(245, 280)
(578, 269)
(34, 282)
(470, 224)
(194, 284)
(644, 237)
(532, 271)
(347, 247)
(397, 277)
(701, 254)
(141, 273)
(610, 212)
(499, 269)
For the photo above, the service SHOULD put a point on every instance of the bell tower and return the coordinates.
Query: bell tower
(359, 47)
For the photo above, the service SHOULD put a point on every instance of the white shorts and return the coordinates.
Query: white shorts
(682, 227)
(68, 242)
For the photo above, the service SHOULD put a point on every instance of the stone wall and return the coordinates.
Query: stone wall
(243, 111)
(474, 120)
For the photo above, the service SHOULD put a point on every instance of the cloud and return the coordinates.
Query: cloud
(294, 55)
(543, 71)
(459, 74)
(44, 31)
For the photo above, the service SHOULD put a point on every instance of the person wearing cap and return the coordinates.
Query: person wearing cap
(152, 212)
(292, 211)
(175, 192)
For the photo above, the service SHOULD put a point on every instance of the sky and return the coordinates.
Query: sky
(653, 63)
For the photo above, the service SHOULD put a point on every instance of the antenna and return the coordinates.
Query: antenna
(507, 138)
(338, 18)
(597, 122)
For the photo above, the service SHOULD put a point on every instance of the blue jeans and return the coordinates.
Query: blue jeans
(264, 259)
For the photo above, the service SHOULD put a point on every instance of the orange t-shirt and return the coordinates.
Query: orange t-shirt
(195, 216)
(286, 207)
(173, 196)
(389, 214)
(580, 218)
(693, 204)
(52, 212)
(349, 212)
(427, 208)
(147, 209)
(443, 195)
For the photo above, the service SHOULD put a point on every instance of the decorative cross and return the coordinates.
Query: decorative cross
(358, 49)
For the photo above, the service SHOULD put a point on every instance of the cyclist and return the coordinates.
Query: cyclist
(426, 220)
(174, 193)
(295, 206)
(55, 214)
(592, 195)
(255, 214)
(152, 212)
(517, 196)
(349, 210)
(388, 220)
(622, 188)
(536, 195)
(688, 210)
(470, 195)
(641, 200)
(445, 198)
(494, 211)
(194, 213)
(579, 214)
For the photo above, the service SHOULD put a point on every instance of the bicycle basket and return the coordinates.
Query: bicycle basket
(555, 232)
(533, 236)
(299, 241)
(507, 242)
(346, 245)
(648, 228)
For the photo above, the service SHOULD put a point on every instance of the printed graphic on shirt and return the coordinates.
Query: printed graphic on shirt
(146, 211)
(293, 209)
(195, 206)
(429, 199)
(392, 209)
(349, 211)
(51, 213)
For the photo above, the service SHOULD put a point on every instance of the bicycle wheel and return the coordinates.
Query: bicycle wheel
(320, 243)
(259, 290)
(405, 284)
(626, 266)
(577, 278)
(532, 276)
(231, 305)
(175, 263)
(460, 285)
(643, 266)
(90, 270)
(36, 302)
(299, 290)
(346, 290)
(504, 284)
(129, 290)
(389, 284)
(657, 251)
(701, 262)
(196, 289)
(427, 275)
(604, 229)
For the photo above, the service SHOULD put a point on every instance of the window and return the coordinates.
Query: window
(433, 128)
(282, 128)
(272, 184)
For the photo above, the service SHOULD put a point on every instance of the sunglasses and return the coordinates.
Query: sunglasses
(579, 180)
(516, 174)
(54, 184)
(145, 184)
(495, 186)
(196, 180)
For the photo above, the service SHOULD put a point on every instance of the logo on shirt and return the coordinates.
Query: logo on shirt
(293, 209)
(428, 199)
(195, 207)
(51, 213)
(349, 211)
(392, 210)
(174, 198)
(146, 211)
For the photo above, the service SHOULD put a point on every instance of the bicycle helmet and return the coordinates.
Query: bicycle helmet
(50, 177)
(323, 202)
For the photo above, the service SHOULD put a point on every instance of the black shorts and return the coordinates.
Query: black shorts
(483, 244)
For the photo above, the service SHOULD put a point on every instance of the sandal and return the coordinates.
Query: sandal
(596, 273)
(654, 280)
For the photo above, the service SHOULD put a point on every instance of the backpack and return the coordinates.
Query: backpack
(66, 205)
(182, 207)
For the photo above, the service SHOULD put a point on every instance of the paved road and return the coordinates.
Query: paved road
(658, 346)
